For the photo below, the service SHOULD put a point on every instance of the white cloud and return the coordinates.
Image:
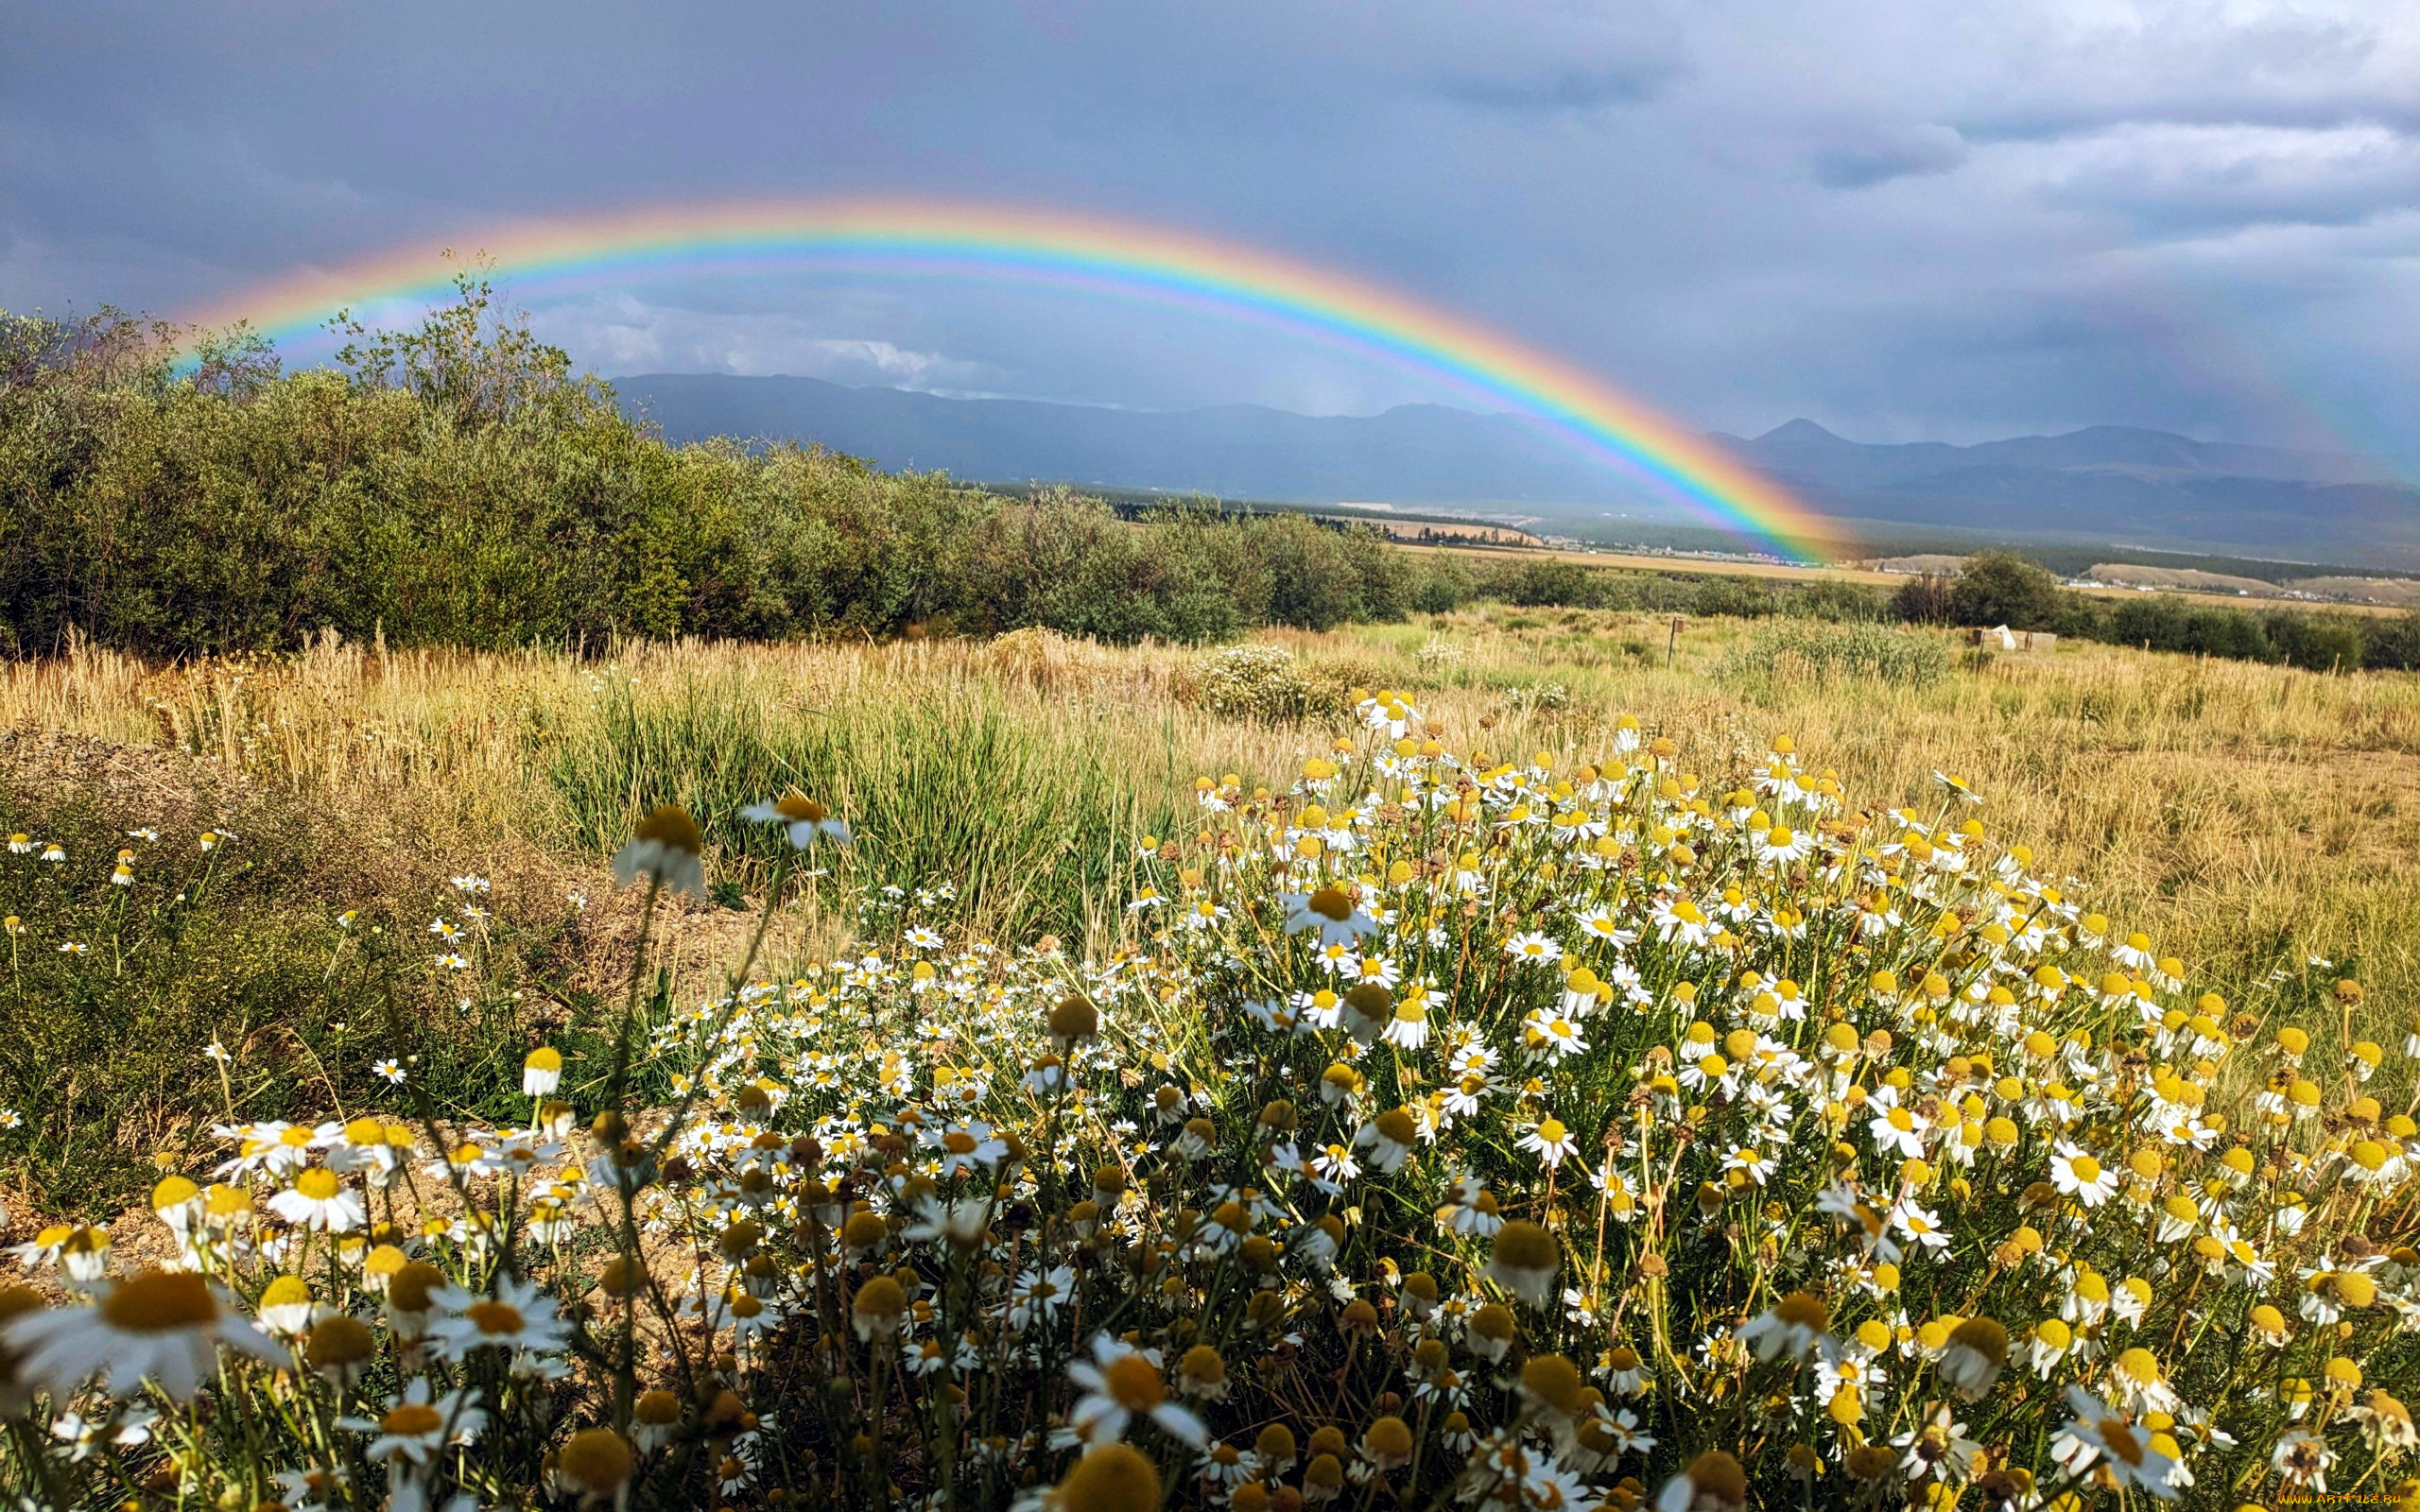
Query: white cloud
(623, 334)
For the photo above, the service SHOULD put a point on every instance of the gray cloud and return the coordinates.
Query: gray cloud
(2167, 176)
(1881, 155)
(1898, 217)
(1563, 89)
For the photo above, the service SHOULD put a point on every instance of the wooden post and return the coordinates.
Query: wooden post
(1670, 642)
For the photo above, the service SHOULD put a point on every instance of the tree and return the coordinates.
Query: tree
(470, 363)
(1926, 599)
(2002, 588)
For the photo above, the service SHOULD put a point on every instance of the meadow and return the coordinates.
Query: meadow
(546, 968)
(1032, 1051)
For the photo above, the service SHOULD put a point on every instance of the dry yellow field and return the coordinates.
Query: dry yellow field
(1788, 571)
(1651, 562)
(2249, 815)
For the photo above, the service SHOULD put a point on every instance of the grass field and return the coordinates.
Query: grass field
(1034, 1064)
(1869, 577)
(2258, 821)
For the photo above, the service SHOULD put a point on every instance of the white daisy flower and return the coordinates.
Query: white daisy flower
(1123, 1382)
(163, 1326)
(806, 821)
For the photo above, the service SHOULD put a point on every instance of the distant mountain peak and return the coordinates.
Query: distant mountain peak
(1801, 429)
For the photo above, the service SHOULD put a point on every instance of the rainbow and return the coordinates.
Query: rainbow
(995, 242)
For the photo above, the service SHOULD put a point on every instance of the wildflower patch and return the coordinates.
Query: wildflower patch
(1450, 1128)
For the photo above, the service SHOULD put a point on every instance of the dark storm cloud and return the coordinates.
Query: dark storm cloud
(1898, 217)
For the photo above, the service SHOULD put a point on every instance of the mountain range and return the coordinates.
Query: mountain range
(2106, 483)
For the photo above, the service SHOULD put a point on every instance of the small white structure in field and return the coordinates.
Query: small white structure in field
(2001, 638)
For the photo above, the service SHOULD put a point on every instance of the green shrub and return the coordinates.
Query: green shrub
(2317, 643)
(456, 486)
(2394, 645)
(1540, 583)
(2160, 621)
(1441, 584)
(1836, 602)
(1740, 597)
(2000, 588)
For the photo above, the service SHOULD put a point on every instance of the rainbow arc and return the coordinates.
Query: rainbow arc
(1051, 247)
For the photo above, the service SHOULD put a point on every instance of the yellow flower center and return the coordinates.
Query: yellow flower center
(800, 809)
(1107, 1479)
(2119, 1438)
(596, 1458)
(318, 1184)
(160, 1302)
(413, 1420)
(1203, 1365)
(1330, 902)
(672, 828)
(1805, 1310)
(656, 1408)
(494, 1318)
(1134, 1382)
(1524, 1246)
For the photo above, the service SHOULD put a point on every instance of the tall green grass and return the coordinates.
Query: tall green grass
(1811, 650)
(110, 993)
(1035, 821)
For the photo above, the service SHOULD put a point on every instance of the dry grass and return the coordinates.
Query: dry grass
(2248, 815)
(2385, 598)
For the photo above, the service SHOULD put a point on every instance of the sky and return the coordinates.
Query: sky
(1903, 219)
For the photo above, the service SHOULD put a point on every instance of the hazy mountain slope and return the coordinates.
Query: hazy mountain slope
(2109, 483)
(2106, 483)
(1414, 454)
(1802, 447)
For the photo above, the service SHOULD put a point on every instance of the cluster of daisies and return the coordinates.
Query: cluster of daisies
(51, 855)
(1448, 1131)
